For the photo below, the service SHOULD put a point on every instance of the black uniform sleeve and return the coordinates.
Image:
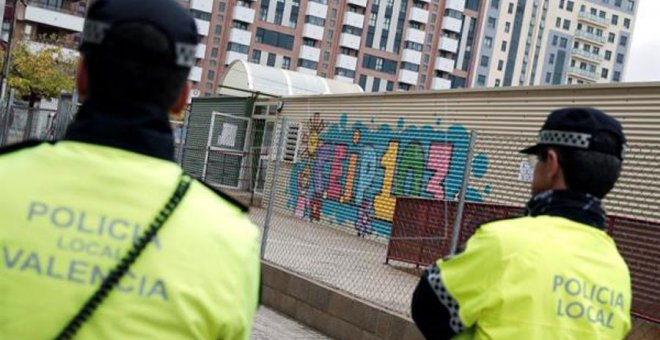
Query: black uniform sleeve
(431, 317)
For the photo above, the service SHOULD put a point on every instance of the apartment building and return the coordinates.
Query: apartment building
(383, 45)
(48, 22)
(545, 42)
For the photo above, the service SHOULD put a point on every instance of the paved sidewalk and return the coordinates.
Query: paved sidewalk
(270, 325)
(339, 259)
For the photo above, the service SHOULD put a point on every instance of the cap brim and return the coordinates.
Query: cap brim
(532, 150)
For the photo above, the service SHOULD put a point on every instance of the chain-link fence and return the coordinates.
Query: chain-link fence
(23, 123)
(363, 201)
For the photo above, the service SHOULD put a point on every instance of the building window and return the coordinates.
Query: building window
(310, 19)
(363, 81)
(617, 3)
(488, 41)
(492, 22)
(552, 59)
(271, 59)
(481, 80)
(611, 37)
(198, 14)
(409, 66)
(555, 39)
(500, 65)
(504, 44)
(604, 73)
(216, 41)
(558, 23)
(221, 7)
(507, 27)
(569, 6)
(495, 4)
(608, 55)
(619, 58)
(497, 83)
(240, 48)
(561, 4)
(510, 10)
(567, 24)
(484, 61)
(626, 23)
(214, 52)
(326, 56)
(563, 42)
(616, 76)
(390, 86)
(413, 46)
(615, 19)
(286, 63)
(274, 38)
(256, 56)
(308, 64)
(375, 87)
(548, 77)
(623, 40)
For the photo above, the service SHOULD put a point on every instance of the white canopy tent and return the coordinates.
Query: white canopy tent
(249, 77)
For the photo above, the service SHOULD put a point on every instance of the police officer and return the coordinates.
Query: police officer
(553, 274)
(102, 235)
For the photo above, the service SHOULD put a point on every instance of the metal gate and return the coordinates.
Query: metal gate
(226, 151)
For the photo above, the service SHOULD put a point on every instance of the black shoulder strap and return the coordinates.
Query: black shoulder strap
(244, 208)
(122, 268)
(19, 146)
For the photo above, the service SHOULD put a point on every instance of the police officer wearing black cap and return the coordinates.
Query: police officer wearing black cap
(553, 274)
(102, 235)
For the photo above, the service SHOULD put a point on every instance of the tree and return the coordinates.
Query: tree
(40, 71)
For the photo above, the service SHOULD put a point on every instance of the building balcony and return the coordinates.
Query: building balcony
(408, 76)
(441, 84)
(590, 37)
(240, 36)
(201, 51)
(452, 24)
(52, 16)
(354, 19)
(411, 56)
(310, 53)
(350, 40)
(457, 5)
(313, 31)
(419, 15)
(195, 74)
(448, 44)
(346, 61)
(361, 3)
(444, 64)
(205, 6)
(592, 57)
(582, 73)
(233, 55)
(344, 79)
(203, 27)
(35, 46)
(244, 14)
(316, 9)
(593, 19)
(415, 35)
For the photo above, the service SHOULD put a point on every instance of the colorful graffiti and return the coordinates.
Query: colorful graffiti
(353, 174)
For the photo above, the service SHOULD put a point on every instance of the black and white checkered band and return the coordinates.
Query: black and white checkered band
(447, 300)
(94, 32)
(565, 138)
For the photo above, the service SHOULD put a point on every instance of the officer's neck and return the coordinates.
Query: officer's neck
(575, 206)
(138, 128)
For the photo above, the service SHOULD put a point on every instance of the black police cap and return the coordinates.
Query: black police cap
(575, 127)
(167, 16)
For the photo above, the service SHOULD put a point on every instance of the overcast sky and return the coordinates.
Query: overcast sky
(644, 63)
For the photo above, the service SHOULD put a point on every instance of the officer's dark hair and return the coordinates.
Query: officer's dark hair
(134, 65)
(588, 171)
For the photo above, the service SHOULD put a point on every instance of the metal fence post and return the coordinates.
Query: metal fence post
(273, 185)
(461, 198)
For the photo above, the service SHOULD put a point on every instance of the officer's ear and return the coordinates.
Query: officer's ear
(554, 170)
(182, 100)
(82, 80)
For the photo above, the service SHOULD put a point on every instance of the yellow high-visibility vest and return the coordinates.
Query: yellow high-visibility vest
(70, 211)
(539, 278)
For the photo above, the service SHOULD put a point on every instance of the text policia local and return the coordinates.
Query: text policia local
(83, 250)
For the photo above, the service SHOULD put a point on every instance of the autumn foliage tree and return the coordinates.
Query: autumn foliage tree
(40, 72)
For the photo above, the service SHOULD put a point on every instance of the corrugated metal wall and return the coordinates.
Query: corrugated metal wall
(221, 168)
(358, 152)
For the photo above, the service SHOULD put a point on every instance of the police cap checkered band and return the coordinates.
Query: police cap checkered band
(565, 138)
(165, 15)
